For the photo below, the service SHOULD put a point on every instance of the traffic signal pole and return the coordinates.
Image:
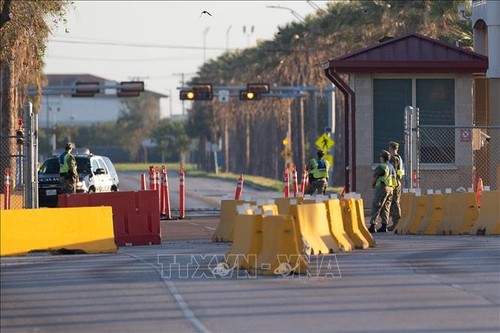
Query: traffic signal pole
(30, 160)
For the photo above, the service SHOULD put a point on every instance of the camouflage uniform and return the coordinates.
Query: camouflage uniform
(318, 175)
(319, 185)
(69, 179)
(395, 211)
(382, 200)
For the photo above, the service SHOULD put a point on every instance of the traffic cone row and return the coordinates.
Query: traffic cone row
(286, 184)
(294, 181)
(303, 183)
(158, 181)
(239, 188)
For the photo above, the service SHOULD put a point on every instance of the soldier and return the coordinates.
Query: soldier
(397, 163)
(318, 169)
(384, 180)
(67, 170)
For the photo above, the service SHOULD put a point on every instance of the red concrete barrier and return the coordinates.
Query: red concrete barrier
(136, 215)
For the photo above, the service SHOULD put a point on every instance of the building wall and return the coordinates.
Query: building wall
(486, 24)
(78, 111)
(362, 84)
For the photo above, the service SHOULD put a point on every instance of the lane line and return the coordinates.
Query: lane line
(179, 300)
(204, 226)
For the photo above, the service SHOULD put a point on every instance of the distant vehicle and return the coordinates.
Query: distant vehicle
(96, 174)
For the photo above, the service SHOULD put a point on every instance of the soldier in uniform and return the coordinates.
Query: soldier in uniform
(384, 180)
(397, 163)
(67, 170)
(318, 169)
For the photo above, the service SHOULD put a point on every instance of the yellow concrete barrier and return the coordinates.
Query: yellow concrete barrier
(247, 241)
(408, 210)
(488, 222)
(337, 225)
(87, 229)
(228, 212)
(314, 228)
(284, 204)
(418, 215)
(281, 250)
(351, 226)
(269, 209)
(360, 217)
(433, 215)
(460, 213)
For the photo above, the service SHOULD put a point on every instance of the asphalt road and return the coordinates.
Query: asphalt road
(201, 193)
(406, 284)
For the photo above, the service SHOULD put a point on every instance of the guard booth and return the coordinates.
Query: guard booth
(384, 85)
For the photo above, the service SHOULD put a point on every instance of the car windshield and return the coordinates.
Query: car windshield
(83, 165)
(51, 166)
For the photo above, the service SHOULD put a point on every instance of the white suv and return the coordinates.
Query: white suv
(96, 174)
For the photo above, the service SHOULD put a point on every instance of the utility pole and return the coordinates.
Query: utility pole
(205, 32)
(227, 37)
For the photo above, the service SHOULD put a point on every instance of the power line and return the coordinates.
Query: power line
(120, 60)
(112, 43)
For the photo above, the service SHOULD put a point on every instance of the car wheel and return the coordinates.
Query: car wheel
(114, 189)
(91, 190)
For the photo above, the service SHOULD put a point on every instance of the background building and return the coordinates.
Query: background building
(82, 111)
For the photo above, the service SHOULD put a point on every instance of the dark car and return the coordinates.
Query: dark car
(94, 172)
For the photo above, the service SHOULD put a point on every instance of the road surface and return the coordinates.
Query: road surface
(406, 284)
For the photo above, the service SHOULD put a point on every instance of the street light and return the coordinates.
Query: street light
(205, 32)
(248, 34)
(294, 13)
(227, 37)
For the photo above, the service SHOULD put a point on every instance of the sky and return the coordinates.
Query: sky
(170, 35)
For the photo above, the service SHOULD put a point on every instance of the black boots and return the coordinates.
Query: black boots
(383, 228)
(372, 229)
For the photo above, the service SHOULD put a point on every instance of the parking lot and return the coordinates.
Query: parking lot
(405, 284)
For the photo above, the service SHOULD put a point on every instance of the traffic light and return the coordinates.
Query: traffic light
(198, 92)
(20, 136)
(130, 89)
(254, 91)
(246, 95)
(86, 89)
(261, 88)
(186, 95)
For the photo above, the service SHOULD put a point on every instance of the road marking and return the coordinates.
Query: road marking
(188, 313)
(204, 226)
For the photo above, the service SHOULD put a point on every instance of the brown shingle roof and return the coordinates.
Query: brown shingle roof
(412, 53)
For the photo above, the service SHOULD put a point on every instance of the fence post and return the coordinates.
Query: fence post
(182, 194)
(6, 189)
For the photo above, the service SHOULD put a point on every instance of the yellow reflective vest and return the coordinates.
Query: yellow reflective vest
(318, 168)
(388, 178)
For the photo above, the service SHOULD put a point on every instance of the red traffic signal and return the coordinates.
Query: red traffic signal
(20, 136)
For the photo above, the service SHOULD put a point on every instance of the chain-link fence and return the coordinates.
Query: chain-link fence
(12, 176)
(457, 157)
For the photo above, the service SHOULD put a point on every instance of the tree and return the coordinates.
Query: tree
(252, 132)
(24, 28)
(172, 140)
(138, 117)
